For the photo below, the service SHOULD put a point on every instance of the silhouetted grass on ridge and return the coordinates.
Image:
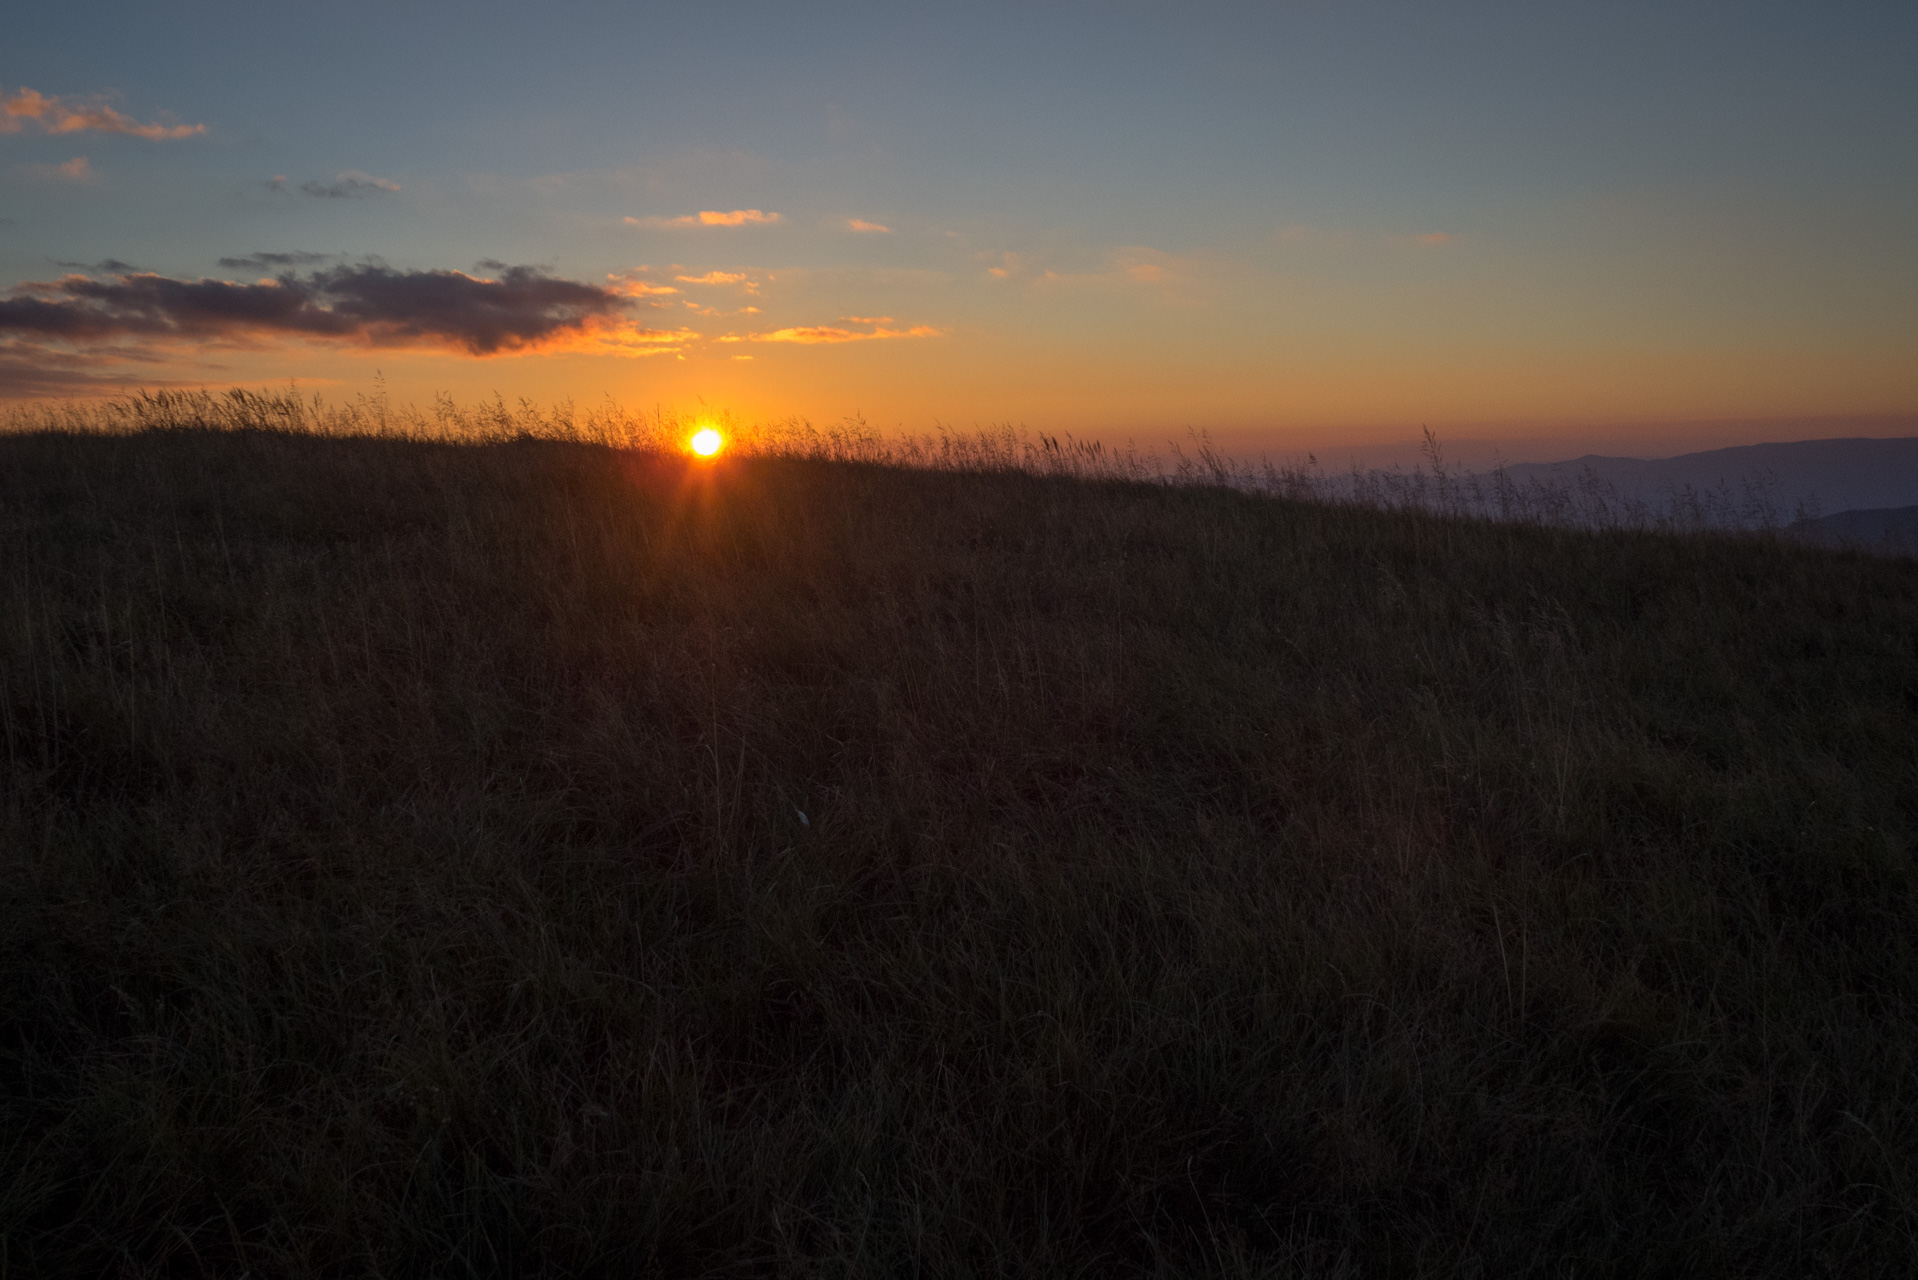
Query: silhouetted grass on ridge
(426, 858)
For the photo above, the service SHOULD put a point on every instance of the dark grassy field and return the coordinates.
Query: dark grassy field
(542, 859)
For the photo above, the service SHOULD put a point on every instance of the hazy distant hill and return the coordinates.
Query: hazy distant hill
(1825, 476)
(1895, 527)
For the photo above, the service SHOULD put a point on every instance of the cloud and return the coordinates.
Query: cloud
(1141, 265)
(56, 115)
(634, 285)
(745, 282)
(707, 218)
(368, 305)
(817, 334)
(250, 261)
(107, 266)
(860, 224)
(1131, 265)
(74, 170)
(349, 184)
(1305, 235)
(28, 370)
(1010, 264)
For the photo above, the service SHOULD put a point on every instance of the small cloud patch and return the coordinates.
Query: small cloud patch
(350, 184)
(76, 170)
(52, 114)
(860, 224)
(815, 335)
(105, 266)
(256, 261)
(708, 218)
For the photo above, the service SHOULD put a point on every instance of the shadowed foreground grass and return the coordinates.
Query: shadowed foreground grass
(422, 859)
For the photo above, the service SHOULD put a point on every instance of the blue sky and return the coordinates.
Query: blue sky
(1290, 224)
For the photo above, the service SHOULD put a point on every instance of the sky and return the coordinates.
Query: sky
(1538, 228)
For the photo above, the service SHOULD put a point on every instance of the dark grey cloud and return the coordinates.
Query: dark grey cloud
(29, 370)
(271, 261)
(106, 266)
(349, 185)
(523, 309)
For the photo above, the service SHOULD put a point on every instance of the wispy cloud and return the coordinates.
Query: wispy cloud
(349, 184)
(76, 170)
(636, 286)
(106, 266)
(860, 224)
(1141, 265)
(1301, 235)
(1009, 265)
(51, 114)
(817, 334)
(34, 369)
(524, 310)
(745, 282)
(259, 261)
(707, 218)
(1131, 265)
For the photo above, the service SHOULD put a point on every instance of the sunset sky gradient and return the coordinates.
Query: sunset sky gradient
(1628, 227)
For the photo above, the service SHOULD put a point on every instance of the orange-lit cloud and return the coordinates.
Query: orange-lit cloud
(1132, 265)
(1141, 265)
(860, 224)
(817, 334)
(746, 282)
(1435, 238)
(708, 218)
(1010, 264)
(633, 284)
(52, 114)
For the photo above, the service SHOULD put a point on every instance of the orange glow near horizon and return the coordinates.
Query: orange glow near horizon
(707, 442)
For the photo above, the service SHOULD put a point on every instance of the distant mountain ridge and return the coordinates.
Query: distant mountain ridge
(1804, 478)
(1886, 528)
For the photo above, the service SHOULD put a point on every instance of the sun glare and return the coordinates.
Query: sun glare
(706, 443)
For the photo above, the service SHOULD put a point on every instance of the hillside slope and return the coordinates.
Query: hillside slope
(423, 859)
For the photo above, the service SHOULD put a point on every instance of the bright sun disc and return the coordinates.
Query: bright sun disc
(706, 443)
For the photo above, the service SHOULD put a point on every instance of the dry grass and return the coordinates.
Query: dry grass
(403, 872)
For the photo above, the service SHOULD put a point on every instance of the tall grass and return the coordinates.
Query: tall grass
(1584, 501)
(432, 858)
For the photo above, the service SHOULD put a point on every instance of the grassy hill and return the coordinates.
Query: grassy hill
(421, 859)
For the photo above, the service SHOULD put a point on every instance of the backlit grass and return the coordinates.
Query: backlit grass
(421, 858)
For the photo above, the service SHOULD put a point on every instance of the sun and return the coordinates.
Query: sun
(707, 442)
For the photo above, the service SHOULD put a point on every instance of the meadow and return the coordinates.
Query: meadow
(548, 857)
